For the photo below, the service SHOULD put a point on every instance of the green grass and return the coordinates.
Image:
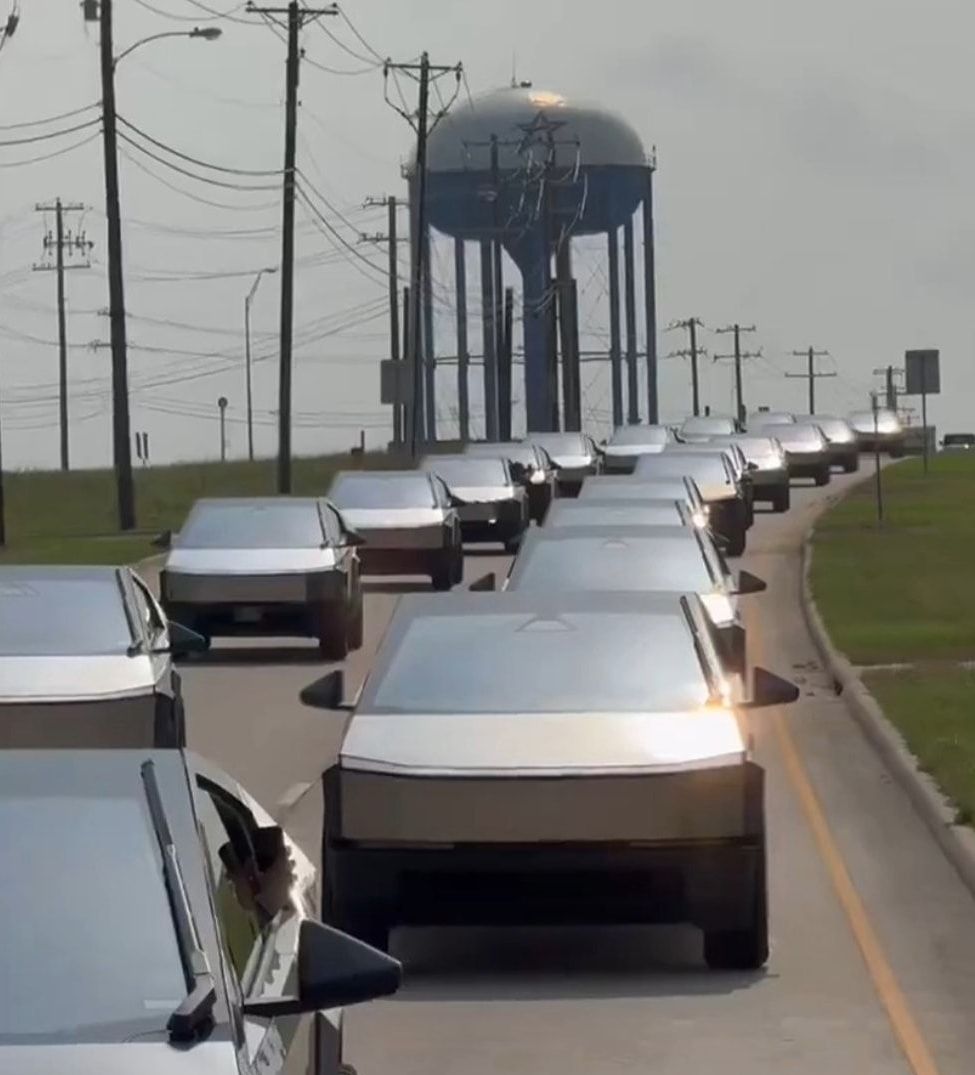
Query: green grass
(903, 591)
(71, 518)
(933, 708)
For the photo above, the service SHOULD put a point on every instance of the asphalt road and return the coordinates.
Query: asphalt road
(873, 935)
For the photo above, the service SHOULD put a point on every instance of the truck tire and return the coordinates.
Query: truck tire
(822, 475)
(742, 949)
(851, 464)
(356, 625)
(782, 498)
(736, 542)
(443, 576)
(334, 631)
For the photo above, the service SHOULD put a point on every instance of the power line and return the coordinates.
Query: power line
(51, 156)
(195, 160)
(50, 135)
(192, 175)
(49, 119)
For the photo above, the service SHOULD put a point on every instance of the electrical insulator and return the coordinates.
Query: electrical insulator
(90, 10)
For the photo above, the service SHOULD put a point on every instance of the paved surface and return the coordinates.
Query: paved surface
(873, 936)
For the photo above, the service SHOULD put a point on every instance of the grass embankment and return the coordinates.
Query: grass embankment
(53, 517)
(904, 593)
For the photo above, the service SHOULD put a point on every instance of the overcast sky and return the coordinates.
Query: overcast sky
(815, 167)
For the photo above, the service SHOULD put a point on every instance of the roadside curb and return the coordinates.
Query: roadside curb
(936, 811)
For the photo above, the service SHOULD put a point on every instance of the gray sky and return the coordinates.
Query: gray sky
(814, 178)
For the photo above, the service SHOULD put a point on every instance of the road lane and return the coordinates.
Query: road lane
(579, 1000)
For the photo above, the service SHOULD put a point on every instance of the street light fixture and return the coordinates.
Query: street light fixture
(205, 33)
(247, 351)
(121, 430)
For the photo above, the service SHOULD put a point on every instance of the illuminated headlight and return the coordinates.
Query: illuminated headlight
(718, 607)
(844, 438)
(700, 519)
(537, 477)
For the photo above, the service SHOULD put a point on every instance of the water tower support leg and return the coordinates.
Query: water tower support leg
(650, 301)
(615, 349)
(632, 376)
(463, 358)
(490, 344)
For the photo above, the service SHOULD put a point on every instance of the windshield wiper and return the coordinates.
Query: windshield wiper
(195, 1011)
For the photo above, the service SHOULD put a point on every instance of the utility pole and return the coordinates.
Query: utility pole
(296, 18)
(424, 73)
(58, 242)
(738, 356)
(812, 374)
(693, 352)
(891, 391)
(121, 435)
(391, 204)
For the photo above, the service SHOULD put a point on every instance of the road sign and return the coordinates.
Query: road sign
(394, 382)
(923, 373)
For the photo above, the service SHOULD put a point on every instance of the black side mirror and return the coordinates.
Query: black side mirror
(326, 693)
(485, 584)
(163, 540)
(353, 538)
(751, 465)
(456, 502)
(768, 689)
(183, 641)
(749, 584)
(519, 471)
(334, 970)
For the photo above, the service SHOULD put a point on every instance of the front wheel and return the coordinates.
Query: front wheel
(851, 464)
(736, 542)
(356, 626)
(444, 573)
(822, 475)
(742, 949)
(334, 634)
(782, 498)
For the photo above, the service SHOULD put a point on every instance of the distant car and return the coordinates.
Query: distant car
(842, 441)
(729, 513)
(491, 504)
(637, 559)
(958, 442)
(702, 427)
(736, 460)
(628, 443)
(611, 514)
(86, 660)
(164, 923)
(619, 487)
(807, 451)
(531, 465)
(881, 431)
(522, 757)
(575, 454)
(768, 466)
(408, 521)
(759, 419)
(269, 566)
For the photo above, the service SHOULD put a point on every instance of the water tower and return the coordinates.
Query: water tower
(524, 171)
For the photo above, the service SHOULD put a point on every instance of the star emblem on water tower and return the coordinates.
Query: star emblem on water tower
(540, 131)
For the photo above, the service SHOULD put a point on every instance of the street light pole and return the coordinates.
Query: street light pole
(121, 432)
(247, 348)
(121, 446)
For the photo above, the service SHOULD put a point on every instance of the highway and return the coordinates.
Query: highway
(873, 935)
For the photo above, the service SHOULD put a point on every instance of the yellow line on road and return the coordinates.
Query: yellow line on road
(902, 1020)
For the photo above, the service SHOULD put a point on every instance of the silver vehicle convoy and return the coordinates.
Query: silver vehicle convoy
(408, 521)
(878, 431)
(628, 443)
(491, 504)
(86, 660)
(610, 514)
(267, 565)
(531, 465)
(842, 441)
(639, 559)
(807, 451)
(487, 775)
(769, 469)
(575, 454)
(729, 512)
(618, 487)
(160, 922)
